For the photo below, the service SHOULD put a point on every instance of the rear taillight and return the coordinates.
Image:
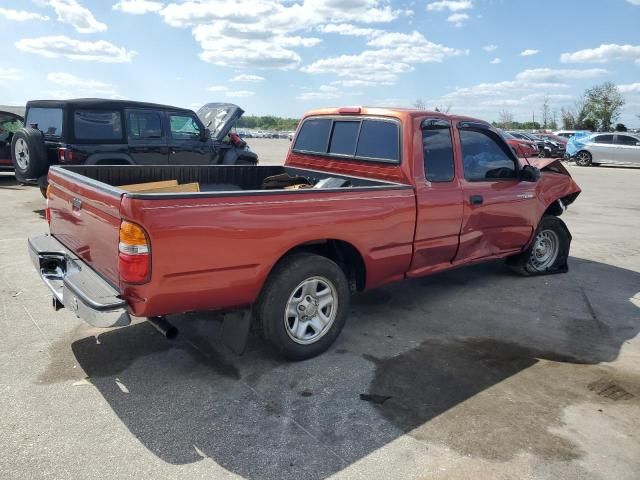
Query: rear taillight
(65, 155)
(134, 257)
(47, 212)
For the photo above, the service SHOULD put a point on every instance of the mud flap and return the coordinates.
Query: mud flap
(235, 330)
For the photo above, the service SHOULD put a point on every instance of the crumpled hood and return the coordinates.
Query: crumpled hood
(219, 118)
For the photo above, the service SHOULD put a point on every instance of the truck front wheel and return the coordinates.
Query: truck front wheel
(548, 252)
(303, 305)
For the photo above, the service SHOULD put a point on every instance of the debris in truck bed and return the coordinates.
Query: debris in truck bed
(165, 186)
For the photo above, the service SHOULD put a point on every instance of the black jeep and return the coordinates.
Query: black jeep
(119, 132)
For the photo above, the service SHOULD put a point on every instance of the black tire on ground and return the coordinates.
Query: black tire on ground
(28, 153)
(283, 286)
(551, 231)
(583, 158)
(43, 183)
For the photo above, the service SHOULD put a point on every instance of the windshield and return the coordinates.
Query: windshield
(47, 120)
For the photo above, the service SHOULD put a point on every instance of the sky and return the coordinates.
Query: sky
(284, 57)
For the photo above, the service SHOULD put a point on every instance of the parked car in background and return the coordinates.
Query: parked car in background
(119, 132)
(553, 138)
(546, 148)
(614, 148)
(569, 133)
(9, 124)
(367, 196)
(523, 148)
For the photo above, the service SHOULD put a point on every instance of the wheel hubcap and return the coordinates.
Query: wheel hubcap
(545, 250)
(582, 159)
(22, 154)
(311, 310)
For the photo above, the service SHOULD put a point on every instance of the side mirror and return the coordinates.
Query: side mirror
(529, 174)
(205, 134)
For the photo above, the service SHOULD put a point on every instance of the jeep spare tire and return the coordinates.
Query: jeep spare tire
(28, 153)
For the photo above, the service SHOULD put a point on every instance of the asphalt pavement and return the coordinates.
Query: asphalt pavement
(473, 373)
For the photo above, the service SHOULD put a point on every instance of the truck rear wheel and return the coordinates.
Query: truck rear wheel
(548, 252)
(303, 305)
(28, 153)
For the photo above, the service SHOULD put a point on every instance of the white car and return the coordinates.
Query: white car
(619, 148)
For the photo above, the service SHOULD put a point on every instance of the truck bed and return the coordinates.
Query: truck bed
(213, 180)
(213, 249)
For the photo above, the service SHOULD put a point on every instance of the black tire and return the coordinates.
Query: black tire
(28, 153)
(583, 158)
(43, 183)
(529, 262)
(282, 285)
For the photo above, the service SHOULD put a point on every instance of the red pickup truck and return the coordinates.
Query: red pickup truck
(367, 196)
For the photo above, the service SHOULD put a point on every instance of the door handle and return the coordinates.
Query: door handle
(476, 199)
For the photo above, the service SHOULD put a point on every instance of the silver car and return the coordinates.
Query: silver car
(620, 148)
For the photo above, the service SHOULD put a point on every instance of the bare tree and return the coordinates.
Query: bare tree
(443, 108)
(505, 119)
(419, 104)
(546, 112)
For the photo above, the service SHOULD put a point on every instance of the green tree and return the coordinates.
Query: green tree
(603, 104)
(620, 127)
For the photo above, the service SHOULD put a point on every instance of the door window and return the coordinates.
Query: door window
(97, 125)
(144, 125)
(484, 158)
(184, 127)
(438, 154)
(627, 140)
(603, 139)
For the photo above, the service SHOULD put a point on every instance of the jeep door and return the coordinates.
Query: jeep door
(188, 142)
(147, 138)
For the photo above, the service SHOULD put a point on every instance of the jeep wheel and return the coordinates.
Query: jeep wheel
(303, 305)
(28, 153)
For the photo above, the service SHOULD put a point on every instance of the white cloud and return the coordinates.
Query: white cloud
(458, 19)
(528, 52)
(9, 74)
(559, 75)
(451, 5)
(353, 83)
(604, 54)
(138, 7)
(80, 87)
(21, 15)
(68, 80)
(324, 92)
(61, 46)
(630, 87)
(261, 33)
(634, 2)
(348, 29)
(81, 18)
(391, 54)
(217, 88)
(247, 78)
(490, 48)
(495, 61)
(240, 93)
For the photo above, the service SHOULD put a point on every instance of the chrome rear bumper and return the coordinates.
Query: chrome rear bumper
(75, 285)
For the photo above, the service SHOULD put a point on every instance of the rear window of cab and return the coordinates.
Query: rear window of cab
(376, 140)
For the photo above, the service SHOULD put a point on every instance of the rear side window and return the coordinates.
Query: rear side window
(97, 125)
(484, 158)
(343, 138)
(145, 125)
(438, 154)
(379, 140)
(627, 140)
(313, 136)
(47, 120)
